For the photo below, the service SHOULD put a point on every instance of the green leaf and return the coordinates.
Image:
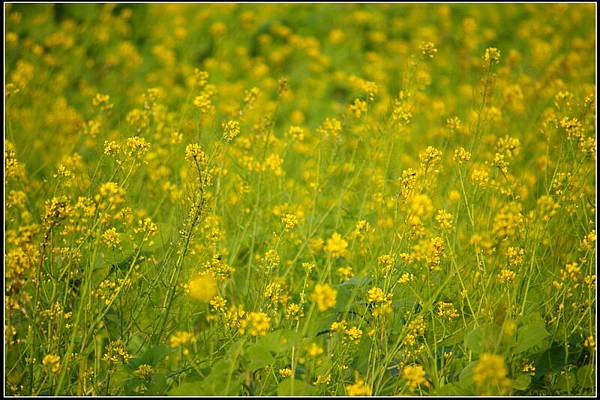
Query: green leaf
(453, 389)
(521, 382)
(466, 375)
(585, 376)
(282, 341)
(153, 356)
(215, 384)
(361, 358)
(120, 376)
(295, 387)
(189, 389)
(235, 350)
(158, 384)
(553, 359)
(259, 357)
(481, 339)
(566, 382)
(454, 338)
(532, 334)
(355, 281)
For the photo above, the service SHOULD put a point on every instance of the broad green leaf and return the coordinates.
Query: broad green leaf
(120, 376)
(466, 375)
(355, 281)
(158, 384)
(454, 338)
(532, 334)
(153, 356)
(453, 389)
(361, 359)
(195, 388)
(481, 339)
(280, 341)
(566, 382)
(521, 382)
(258, 357)
(235, 350)
(585, 376)
(553, 359)
(271, 340)
(221, 381)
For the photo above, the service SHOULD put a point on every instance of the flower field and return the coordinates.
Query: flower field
(300, 199)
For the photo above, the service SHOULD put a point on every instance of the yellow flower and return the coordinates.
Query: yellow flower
(414, 375)
(345, 272)
(181, 338)
(336, 245)
(325, 296)
(323, 379)
(273, 162)
(144, 371)
(359, 388)
(491, 56)
(136, 146)
(110, 237)
(506, 276)
(296, 133)
(102, 101)
(52, 362)
(428, 49)
(353, 334)
(203, 288)
(444, 219)
(294, 311)
(376, 295)
(230, 130)
(285, 372)
(117, 352)
(380, 301)
(195, 154)
(315, 350)
(489, 375)
(528, 368)
(447, 310)
(358, 107)
(589, 343)
(330, 127)
(421, 206)
(454, 123)
(386, 262)
(338, 326)
(255, 324)
(405, 278)
(289, 221)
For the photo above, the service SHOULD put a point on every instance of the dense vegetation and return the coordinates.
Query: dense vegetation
(334, 199)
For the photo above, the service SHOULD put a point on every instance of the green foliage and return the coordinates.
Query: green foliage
(300, 199)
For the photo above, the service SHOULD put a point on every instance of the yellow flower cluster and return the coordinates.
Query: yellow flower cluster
(230, 130)
(51, 362)
(358, 388)
(336, 245)
(117, 352)
(182, 339)
(324, 296)
(414, 375)
(255, 324)
(203, 287)
(380, 301)
(489, 375)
